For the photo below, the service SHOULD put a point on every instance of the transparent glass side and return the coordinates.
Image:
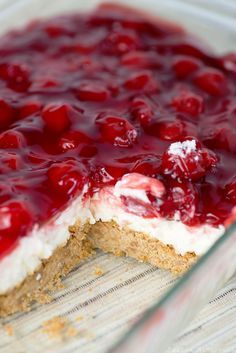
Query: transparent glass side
(159, 324)
(215, 22)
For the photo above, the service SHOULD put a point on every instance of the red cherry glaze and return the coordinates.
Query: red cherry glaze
(12, 161)
(6, 114)
(222, 136)
(149, 165)
(72, 139)
(188, 102)
(231, 191)
(88, 98)
(141, 81)
(172, 130)
(142, 112)
(92, 92)
(15, 221)
(106, 175)
(66, 178)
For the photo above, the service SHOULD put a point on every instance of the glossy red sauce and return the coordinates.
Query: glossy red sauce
(88, 98)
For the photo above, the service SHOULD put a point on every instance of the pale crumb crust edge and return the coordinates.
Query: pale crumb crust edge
(108, 237)
(35, 287)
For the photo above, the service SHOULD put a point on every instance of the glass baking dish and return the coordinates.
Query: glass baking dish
(164, 315)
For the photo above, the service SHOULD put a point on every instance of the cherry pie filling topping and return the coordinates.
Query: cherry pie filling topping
(88, 98)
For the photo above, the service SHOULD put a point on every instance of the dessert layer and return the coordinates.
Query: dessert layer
(111, 204)
(108, 205)
(88, 98)
(110, 237)
(40, 245)
(35, 287)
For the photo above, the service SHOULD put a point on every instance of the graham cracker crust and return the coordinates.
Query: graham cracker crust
(108, 237)
(35, 287)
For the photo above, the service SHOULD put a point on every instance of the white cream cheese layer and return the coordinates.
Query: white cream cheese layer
(39, 245)
(105, 206)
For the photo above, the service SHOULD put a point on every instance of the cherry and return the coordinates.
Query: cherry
(119, 42)
(103, 175)
(142, 59)
(180, 201)
(117, 130)
(67, 178)
(92, 92)
(11, 139)
(6, 114)
(29, 108)
(135, 58)
(140, 81)
(221, 136)
(149, 165)
(57, 117)
(72, 139)
(188, 48)
(15, 220)
(88, 151)
(57, 30)
(184, 66)
(141, 111)
(188, 102)
(172, 130)
(16, 76)
(187, 160)
(211, 81)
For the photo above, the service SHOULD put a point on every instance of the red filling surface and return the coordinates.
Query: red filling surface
(89, 98)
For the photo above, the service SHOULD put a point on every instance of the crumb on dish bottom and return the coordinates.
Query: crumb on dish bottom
(108, 237)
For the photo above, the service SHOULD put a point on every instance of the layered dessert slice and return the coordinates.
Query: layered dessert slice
(118, 133)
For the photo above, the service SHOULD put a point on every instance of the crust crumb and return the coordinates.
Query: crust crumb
(71, 332)
(59, 327)
(79, 318)
(9, 329)
(38, 276)
(98, 271)
(54, 327)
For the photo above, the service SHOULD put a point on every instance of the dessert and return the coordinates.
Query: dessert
(117, 131)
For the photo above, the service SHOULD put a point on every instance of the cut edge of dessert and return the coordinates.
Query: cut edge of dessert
(103, 223)
(144, 204)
